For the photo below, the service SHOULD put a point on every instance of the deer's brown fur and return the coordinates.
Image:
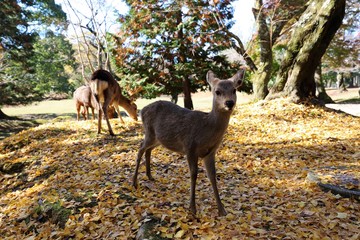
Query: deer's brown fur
(83, 98)
(193, 133)
(108, 92)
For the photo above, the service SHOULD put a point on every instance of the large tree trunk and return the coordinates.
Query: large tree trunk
(262, 76)
(309, 40)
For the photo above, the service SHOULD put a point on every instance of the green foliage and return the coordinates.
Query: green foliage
(20, 44)
(52, 54)
(343, 52)
(165, 43)
(329, 78)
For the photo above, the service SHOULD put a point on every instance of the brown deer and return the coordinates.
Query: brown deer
(83, 98)
(108, 92)
(193, 133)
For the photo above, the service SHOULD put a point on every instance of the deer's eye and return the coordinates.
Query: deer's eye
(234, 91)
(217, 92)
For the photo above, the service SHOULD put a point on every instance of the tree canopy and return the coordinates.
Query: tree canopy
(25, 23)
(167, 46)
(163, 47)
(276, 22)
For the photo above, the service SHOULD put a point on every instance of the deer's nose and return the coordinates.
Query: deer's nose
(230, 104)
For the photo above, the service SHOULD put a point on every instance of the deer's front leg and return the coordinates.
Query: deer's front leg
(93, 114)
(193, 165)
(117, 109)
(105, 110)
(99, 120)
(138, 160)
(147, 162)
(209, 161)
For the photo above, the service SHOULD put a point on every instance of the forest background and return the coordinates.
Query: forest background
(47, 53)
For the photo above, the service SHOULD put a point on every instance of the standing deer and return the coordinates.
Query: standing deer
(193, 133)
(83, 98)
(108, 92)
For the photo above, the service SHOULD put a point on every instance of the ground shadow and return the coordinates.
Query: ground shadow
(17, 124)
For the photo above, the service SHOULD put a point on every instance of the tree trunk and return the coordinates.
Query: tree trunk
(4, 116)
(262, 76)
(351, 80)
(322, 95)
(186, 81)
(187, 94)
(340, 81)
(309, 41)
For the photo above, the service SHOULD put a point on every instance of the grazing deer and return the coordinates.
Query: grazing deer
(108, 92)
(193, 133)
(83, 98)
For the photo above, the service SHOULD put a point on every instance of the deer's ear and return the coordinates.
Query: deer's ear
(210, 78)
(237, 79)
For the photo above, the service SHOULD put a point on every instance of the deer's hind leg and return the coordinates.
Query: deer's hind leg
(105, 111)
(146, 147)
(93, 113)
(78, 106)
(147, 162)
(86, 112)
(193, 165)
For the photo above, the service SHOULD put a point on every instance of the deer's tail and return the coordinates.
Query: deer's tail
(98, 87)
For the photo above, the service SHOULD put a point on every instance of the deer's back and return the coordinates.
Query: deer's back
(104, 84)
(83, 95)
(181, 129)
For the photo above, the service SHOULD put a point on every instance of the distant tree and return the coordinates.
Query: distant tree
(343, 53)
(91, 28)
(22, 21)
(53, 60)
(167, 46)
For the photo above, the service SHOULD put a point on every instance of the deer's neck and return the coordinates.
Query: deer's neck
(220, 120)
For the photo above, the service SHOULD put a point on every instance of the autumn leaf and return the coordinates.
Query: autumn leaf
(61, 180)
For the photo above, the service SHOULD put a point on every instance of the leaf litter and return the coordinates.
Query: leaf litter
(75, 184)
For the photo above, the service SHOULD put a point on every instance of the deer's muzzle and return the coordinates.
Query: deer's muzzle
(229, 104)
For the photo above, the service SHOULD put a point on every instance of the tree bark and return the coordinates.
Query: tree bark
(262, 76)
(4, 116)
(182, 59)
(187, 94)
(309, 41)
(340, 81)
(322, 95)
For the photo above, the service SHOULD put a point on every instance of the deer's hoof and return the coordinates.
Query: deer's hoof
(222, 212)
(193, 210)
(134, 182)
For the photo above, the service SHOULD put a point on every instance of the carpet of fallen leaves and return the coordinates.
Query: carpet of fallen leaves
(70, 183)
